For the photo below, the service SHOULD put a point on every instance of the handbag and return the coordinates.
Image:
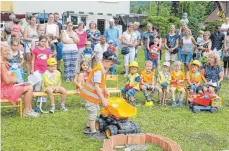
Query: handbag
(125, 50)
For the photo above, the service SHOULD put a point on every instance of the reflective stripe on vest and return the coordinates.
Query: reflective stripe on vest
(88, 91)
(176, 77)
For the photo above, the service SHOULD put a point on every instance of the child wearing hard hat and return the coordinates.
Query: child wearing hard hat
(147, 82)
(133, 81)
(94, 91)
(194, 78)
(52, 84)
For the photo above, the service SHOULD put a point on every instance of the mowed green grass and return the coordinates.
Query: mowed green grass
(64, 130)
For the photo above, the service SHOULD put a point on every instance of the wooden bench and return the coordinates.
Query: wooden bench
(9, 104)
(40, 96)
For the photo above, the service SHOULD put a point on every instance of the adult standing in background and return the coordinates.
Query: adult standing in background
(30, 34)
(93, 34)
(59, 44)
(81, 44)
(112, 33)
(138, 34)
(225, 26)
(56, 20)
(25, 21)
(144, 42)
(100, 48)
(171, 45)
(69, 40)
(217, 39)
(51, 27)
(129, 40)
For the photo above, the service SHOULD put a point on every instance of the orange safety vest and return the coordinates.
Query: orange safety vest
(88, 92)
(194, 77)
(174, 76)
(147, 78)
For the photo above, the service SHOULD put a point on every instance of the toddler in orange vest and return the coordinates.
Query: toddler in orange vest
(147, 81)
(94, 91)
(194, 79)
(177, 84)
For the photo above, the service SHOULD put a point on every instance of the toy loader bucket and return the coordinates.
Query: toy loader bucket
(119, 108)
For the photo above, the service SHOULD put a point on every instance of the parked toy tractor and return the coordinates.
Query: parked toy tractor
(206, 102)
(114, 119)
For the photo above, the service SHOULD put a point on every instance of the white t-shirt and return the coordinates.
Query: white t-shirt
(129, 37)
(100, 50)
(225, 26)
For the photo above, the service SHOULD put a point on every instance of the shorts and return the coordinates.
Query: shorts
(186, 58)
(28, 46)
(169, 56)
(179, 89)
(92, 109)
(226, 62)
(129, 92)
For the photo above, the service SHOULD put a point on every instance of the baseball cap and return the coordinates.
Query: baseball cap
(166, 64)
(109, 55)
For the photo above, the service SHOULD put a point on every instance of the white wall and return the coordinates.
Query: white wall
(103, 6)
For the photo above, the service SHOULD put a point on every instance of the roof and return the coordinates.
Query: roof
(5, 17)
(132, 18)
(213, 16)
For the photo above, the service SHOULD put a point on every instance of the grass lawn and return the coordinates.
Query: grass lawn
(63, 130)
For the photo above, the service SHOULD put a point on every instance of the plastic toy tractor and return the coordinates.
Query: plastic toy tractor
(206, 102)
(114, 119)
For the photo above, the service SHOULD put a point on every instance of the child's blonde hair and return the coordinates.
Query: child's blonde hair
(176, 63)
(148, 62)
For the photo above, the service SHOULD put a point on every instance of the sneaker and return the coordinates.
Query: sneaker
(97, 135)
(30, 114)
(181, 104)
(63, 108)
(87, 130)
(52, 109)
(160, 103)
(174, 104)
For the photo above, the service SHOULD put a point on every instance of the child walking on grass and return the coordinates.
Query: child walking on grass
(94, 92)
(52, 84)
(81, 77)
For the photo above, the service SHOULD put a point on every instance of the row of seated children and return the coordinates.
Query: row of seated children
(167, 81)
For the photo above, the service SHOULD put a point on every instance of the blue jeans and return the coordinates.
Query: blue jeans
(146, 54)
(186, 58)
(129, 92)
(155, 63)
(179, 54)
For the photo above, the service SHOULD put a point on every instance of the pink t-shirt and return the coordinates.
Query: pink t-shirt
(41, 57)
(83, 39)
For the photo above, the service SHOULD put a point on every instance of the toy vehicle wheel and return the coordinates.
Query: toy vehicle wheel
(195, 110)
(213, 110)
(100, 125)
(111, 130)
(136, 128)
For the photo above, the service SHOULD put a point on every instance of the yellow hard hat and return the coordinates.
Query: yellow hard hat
(195, 62)
(133, 64)
(51, 61)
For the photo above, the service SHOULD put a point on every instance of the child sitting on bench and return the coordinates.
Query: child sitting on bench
(52, 84)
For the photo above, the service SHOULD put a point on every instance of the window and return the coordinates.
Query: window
(84, 20)
(101, 25)
(74, 20)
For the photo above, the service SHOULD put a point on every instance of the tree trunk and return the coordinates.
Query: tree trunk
(158, 8)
